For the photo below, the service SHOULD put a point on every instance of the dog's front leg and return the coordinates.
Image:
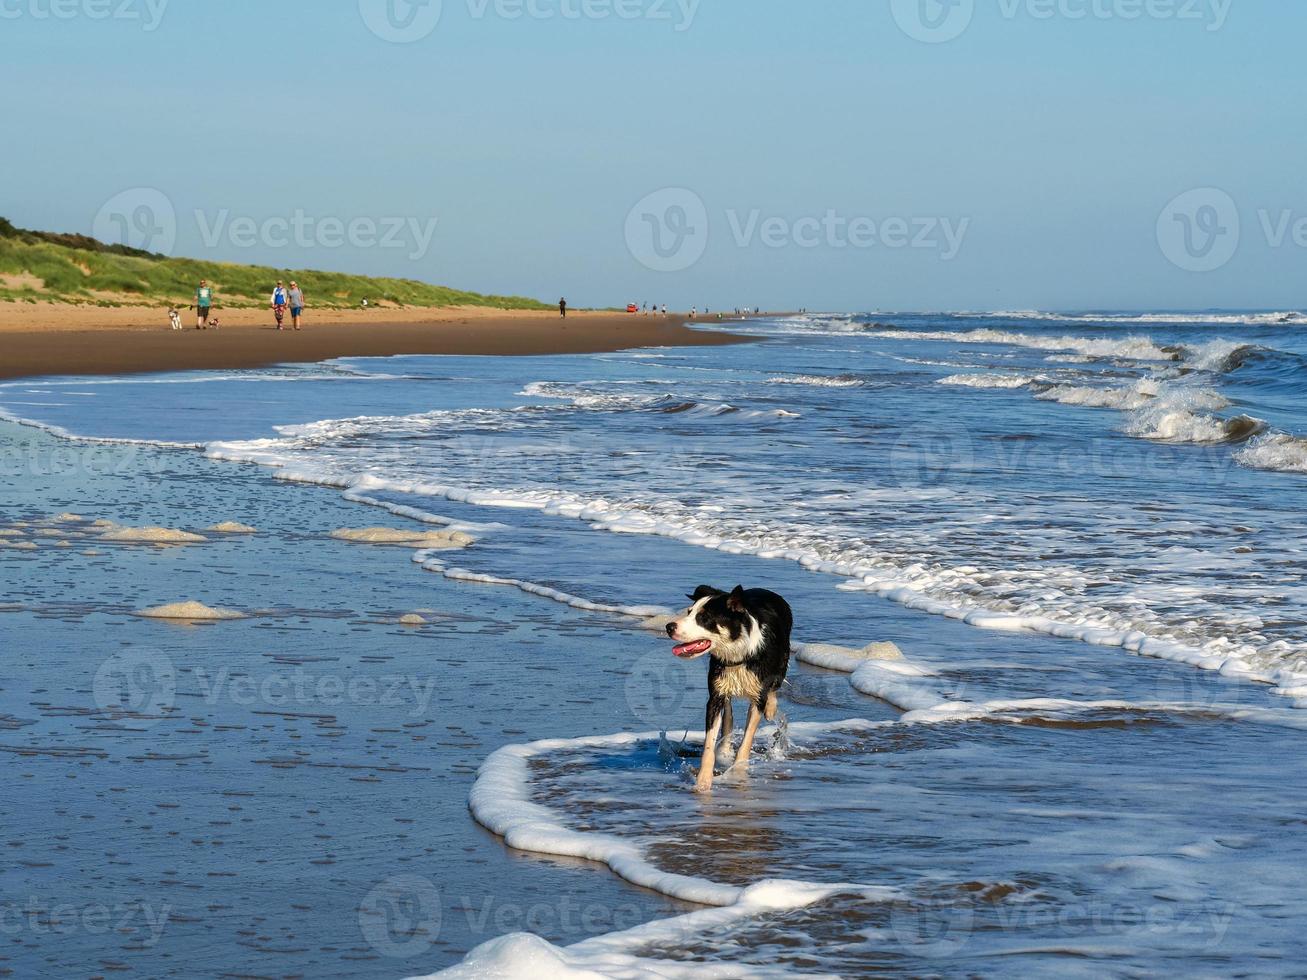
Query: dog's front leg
(711, 734)
(724, 737)
(746, 746)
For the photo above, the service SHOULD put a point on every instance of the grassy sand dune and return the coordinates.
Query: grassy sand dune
(47, 267)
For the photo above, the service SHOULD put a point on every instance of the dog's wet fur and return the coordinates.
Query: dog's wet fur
(746, 633)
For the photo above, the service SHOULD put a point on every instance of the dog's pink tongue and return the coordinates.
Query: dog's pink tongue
(692, 649)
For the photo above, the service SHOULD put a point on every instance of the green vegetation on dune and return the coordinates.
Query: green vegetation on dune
(46, 267)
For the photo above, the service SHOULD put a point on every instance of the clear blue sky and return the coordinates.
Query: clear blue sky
(1058, 140)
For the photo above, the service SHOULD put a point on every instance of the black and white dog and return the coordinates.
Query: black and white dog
(747, 634)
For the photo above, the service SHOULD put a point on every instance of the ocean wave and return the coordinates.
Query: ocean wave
(1170, 423)
(818, 381)
(590, 398)
(1216, 356)
(987, 380)
(1219, 356)
(1276, 451)
(1124, 399)
(1213, 318)
(1127, 348)
(1046, 599)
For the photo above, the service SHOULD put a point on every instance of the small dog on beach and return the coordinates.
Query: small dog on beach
(747, 635)
(213, 324)
(175, 319)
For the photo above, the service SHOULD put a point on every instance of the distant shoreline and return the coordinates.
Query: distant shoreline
(46, 339)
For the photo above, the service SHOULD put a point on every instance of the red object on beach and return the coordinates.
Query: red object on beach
(632, 308)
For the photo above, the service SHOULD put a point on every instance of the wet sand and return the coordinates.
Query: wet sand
(71, 340)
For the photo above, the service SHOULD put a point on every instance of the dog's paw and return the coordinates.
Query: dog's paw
(738, 773)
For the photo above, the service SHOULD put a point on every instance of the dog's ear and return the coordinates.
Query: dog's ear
(704, 592)
(736, 602)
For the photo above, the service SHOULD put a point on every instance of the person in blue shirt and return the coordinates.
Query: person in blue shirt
(280, 300)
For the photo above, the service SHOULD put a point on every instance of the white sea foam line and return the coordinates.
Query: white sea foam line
(865, 579)
(338, 373)
(500, 801)
(355, 495)
(576, 602)
(888, 680)
(1001, 381)
(1015, 710)
(519, 955)
(1249, 319)
(62, 433)
(1214, 355)
(817, 381)
(897, 682)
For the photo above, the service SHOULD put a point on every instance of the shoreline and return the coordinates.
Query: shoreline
(42, 342)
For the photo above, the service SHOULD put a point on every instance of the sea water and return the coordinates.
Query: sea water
(1084, 531)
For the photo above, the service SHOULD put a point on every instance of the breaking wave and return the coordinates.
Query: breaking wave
(1277, 451)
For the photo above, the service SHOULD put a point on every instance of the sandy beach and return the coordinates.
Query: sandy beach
(50, 339)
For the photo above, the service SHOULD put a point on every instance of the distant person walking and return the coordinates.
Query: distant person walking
(203, 305)
(296, 297)
(280, 300)
(562, 308)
